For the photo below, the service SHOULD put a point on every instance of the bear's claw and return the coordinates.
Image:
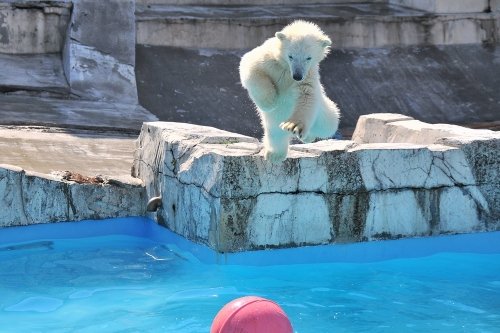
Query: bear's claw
(296, 129)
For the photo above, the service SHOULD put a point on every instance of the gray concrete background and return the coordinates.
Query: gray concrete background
(107, 26)
(363, 24)
(34, 72)
(64, 113)
(457, 84)
(99, 53)
(28, 27)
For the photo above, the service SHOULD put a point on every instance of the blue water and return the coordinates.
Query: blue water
(132, 283)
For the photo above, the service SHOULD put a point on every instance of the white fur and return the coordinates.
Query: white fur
(287, 105)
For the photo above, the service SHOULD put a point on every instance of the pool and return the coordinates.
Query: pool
(129, 275)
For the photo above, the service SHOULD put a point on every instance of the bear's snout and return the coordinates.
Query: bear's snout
(297, 76)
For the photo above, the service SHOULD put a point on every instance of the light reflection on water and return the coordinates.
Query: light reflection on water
(127, 284)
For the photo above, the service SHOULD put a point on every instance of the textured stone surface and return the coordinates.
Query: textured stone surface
(107, 26)
(99, 53)
(371, 128)
(239, 2)
(31, 198)
(86, 152)
(364, 24)
(98, 76)
(33, 26)
(218, 190)
(468, 157)
(495, 5)
(34, 73)
(100, 115)
(386, 127)
(446, 6)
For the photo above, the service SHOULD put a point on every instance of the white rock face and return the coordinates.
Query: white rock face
(395, 128)
(218, 190)
(31, 198)
(369, 128)
(395, 214)
(288, 220)
(459, 207)
(394, 166)
(98, 76)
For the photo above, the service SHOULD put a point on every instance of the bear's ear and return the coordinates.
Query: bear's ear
(326, 42)
(281, 36)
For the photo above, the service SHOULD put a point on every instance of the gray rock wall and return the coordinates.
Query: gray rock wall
(218, 190)
(99, 54)
(446, 6)
(355, 25)
(495, 5)
(35, 27)
(30, 198)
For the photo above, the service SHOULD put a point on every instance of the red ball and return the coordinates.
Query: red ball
(251, 314)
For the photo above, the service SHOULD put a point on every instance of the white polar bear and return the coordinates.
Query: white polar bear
(282, 79)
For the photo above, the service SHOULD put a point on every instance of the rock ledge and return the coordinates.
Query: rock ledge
(398, 177)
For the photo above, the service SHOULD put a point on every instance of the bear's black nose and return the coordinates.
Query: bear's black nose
(297, 76)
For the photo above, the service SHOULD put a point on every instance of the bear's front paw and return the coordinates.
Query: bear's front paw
(296, 128)
(275, 156)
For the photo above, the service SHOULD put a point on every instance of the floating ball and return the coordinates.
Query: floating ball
(251, 314)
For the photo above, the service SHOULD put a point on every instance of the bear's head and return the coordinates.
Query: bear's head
(303, 45)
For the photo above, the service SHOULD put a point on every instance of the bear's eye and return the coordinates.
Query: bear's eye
(308, 58)
(290, 57)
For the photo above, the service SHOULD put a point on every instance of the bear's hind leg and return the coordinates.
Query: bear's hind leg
(276, 144)
(326, 122)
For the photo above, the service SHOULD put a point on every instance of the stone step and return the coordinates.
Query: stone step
(447, 6)
(47, 150)
(36, 73)
(244, 2)
(28, 26)
(65, 113)
(436, 6)
(349, 25)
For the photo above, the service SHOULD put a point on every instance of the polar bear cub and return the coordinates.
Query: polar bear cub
(282, 79)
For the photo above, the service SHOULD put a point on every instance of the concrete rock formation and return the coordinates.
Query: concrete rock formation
(425, 180)
(68, 101)
(30, 198)
(365, 24)
(99, 54)
(46, 22)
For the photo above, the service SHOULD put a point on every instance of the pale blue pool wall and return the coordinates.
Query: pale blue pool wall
(145, 229)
